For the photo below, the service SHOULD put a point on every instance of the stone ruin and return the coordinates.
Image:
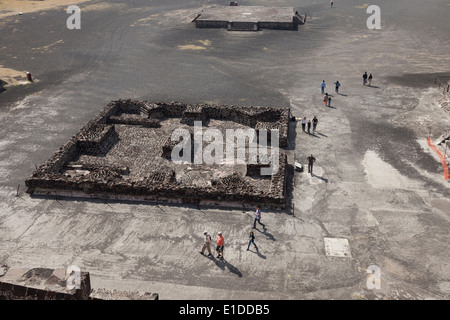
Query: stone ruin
(123, 153)
(52, 284)
(249, 18)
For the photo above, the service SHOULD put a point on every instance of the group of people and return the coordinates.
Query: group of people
(309, 123)
(207, 244)
(323, 85)
(367, 78)
(327, 97)
(220, 243)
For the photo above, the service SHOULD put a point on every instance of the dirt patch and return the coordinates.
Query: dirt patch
(102, 6)
(11, 77)
(191, 47)
(199, 45)
(13, 7)
(418, 80)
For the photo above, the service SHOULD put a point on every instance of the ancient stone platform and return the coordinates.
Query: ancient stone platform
(41, 284)
(51, 284)
(124, 153)
(248, 18)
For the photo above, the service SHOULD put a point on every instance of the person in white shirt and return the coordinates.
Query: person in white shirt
(207, 243)
(258, 218)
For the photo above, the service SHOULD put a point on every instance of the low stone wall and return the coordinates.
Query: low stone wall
(133, 120)
(98, 137)
(51, 284)
(277, 25)
(96, 140)
(211, 24)
(42, 284)
(242, 26)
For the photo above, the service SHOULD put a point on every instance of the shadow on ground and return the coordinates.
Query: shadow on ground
(222, 264)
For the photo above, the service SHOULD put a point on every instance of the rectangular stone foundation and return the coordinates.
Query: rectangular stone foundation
(118, 159)
(248, 18)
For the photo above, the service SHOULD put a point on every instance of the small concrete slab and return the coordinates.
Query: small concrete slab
(336, 247)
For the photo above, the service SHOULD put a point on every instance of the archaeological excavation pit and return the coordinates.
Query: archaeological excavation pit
(127, 153)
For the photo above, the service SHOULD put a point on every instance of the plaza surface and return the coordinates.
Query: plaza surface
(376, 182)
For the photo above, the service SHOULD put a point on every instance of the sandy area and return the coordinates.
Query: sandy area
(204, 45)
(10, 77)
(13, 7)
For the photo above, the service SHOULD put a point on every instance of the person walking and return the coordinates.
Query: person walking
(331, 3)
(309, 126)
(258, 218)
(206, 244)
(370, 79)
(325, 99)
(311, 161)
(364, 78)
(314, 123)
(337, 84)
(220, 245)
(251, 239)
(323, 86)
(303, 124)
(329, 101)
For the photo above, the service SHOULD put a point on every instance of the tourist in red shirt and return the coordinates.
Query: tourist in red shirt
(220, 245)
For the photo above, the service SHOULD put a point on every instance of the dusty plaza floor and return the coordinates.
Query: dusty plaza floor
(376, 182)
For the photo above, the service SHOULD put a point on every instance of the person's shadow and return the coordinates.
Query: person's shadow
(267, 234)
(222, 263)
(321, 178)
(232, 268)
(258, 253)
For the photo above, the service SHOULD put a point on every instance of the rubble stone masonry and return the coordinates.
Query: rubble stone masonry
(124, 153)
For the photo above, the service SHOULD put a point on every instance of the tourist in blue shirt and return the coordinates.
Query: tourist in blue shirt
(323, 86)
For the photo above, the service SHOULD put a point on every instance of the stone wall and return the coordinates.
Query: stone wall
(211, 24)
(277, 25)
(98, 136)
(42, 284)
(98, 140)
(243, 26)
(51, 284)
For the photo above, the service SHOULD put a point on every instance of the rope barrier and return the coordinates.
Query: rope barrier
(441, 157)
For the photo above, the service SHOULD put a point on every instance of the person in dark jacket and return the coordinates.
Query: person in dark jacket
(251, 239)
(311, 161)
(364, 78)
(337, 84)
